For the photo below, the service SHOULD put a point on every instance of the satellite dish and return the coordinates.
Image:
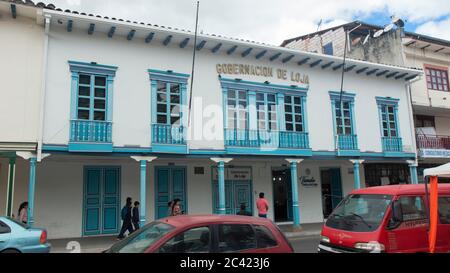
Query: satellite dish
(366, 39)
(378, 33)
(388, 27)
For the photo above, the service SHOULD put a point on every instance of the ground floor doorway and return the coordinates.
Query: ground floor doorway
(331, 189)
(101, 200)
(238, 190)
(170, 184)
(282, 195)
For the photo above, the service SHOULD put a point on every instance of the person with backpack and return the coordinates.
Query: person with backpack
(126, 218)
(136, 215)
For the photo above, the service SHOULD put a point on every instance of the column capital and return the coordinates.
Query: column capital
(221, 159)
(29, 155)
(146, 158)
(357, 161)
(294, 160)
(412, 163)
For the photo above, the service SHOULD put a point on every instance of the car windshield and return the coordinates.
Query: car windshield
(359, 212)
(142, 239)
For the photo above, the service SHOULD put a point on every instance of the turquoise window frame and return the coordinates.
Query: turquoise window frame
(346, 97)
(270, 119)
(293, 113)
(168, 77)
(383, 104)
(92, 69)
(256, 87)
(236, 109)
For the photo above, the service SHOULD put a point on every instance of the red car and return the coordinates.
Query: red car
(206, 234)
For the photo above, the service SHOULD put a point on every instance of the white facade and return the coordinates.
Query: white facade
(63, 197)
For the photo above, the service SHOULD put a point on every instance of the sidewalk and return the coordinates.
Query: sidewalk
(304, 231)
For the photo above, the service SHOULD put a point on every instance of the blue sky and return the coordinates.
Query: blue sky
(272, 21)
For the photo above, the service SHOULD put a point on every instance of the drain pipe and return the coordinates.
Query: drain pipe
(411, 113)
(47, 21)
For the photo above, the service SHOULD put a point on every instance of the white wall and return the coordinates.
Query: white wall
(20, 70)
(131, 117)
(59, 187)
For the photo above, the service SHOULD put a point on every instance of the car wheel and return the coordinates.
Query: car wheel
(10, 251)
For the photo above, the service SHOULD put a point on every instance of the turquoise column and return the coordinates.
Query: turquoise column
(413, 173)
(142, 214)
(221, 178)
(295, 207)
(31, 190)
(357, 182)
(10, 189)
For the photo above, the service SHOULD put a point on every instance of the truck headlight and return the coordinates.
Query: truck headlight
(324, 239)
(374, 247)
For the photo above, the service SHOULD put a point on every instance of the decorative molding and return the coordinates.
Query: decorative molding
(221, 159)
(91, 68)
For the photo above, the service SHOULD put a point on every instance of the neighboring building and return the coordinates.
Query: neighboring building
(430, 93)
(21, 68)
(263, 119)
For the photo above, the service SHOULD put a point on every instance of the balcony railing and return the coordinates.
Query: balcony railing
(433, 142)
(392, 144)
(347, 142)
(90, 131)
(168, 134)
(268, 139)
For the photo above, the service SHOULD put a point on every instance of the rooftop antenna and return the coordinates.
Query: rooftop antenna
(319, 24)
(193, 63)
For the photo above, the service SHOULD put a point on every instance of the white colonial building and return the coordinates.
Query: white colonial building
(263, 118)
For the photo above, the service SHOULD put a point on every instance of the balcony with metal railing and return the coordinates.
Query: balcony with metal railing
(392, 144)
(261, 139)
(168, 138)
(90, 136)
(433, 142)
(347, 142)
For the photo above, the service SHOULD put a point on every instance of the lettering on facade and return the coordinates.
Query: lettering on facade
(262, 71)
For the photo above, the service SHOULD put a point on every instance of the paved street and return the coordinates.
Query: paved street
(305, 244)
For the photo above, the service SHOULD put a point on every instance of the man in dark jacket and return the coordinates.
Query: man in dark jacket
(136, 215)
(126, 218)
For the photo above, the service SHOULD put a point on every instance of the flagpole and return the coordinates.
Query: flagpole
(193, 63)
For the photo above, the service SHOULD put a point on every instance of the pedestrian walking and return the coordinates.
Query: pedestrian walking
(262, 205)
(136, 215)
(126, 218)
(244, 211)
(22, 216)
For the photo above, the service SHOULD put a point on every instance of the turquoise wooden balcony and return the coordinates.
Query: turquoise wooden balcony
(392, 144)
(168, 134)
(266, 139)
(90, 131)
(347, 142)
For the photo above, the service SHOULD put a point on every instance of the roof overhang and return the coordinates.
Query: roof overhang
(218, 44)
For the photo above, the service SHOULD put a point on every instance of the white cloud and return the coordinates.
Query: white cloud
(439, 29)
(269, 21)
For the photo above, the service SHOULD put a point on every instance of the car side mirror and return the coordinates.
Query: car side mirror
(396, 215)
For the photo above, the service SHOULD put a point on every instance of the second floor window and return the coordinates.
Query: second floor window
(343, 117)
(237, 109)
(168, 103)
(266, 107)
(388, 120)
(437, 79)
(91, 102)
(293, 111)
